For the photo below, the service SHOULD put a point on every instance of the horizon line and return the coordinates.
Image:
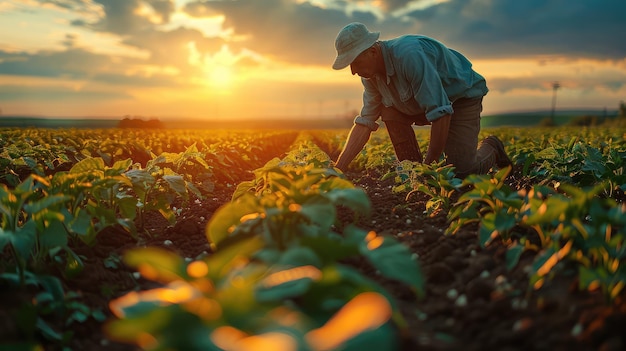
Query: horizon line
(324, 117)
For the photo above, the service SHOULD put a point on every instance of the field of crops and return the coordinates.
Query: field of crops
(121, 239)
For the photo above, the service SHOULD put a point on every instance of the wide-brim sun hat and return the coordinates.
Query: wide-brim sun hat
(351, 41)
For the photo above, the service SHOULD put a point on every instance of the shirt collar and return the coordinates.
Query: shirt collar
(390, 70)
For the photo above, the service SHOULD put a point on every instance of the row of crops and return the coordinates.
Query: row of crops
(61, 188)
(276, 277)
(569, 195)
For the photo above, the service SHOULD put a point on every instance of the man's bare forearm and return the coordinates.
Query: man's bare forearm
(358, 137)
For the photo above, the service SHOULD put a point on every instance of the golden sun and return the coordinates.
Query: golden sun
(220, 76)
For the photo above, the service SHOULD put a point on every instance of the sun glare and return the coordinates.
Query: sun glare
(220, 76)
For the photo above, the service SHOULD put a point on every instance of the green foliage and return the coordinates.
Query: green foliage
(31, 225)
(278, 271)
(97, 199)
(573, 225)
(158, 184)
(205, 303)
(437, 181)
(277, 254)
(489, 201)
(51, 303)
(581, 164)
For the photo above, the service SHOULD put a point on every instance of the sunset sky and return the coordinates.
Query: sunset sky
(227, 59)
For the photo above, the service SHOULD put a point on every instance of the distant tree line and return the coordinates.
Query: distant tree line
(139, 123)
(591, 120)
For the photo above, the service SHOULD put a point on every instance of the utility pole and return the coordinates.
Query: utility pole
(555, 87)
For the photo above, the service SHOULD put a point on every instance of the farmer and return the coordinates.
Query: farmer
(414, 79)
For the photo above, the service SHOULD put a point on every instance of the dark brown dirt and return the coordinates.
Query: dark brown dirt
(472, 302)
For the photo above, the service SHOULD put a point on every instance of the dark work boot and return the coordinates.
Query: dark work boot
(502, 159)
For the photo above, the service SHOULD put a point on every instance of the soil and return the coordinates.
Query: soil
(472, 301)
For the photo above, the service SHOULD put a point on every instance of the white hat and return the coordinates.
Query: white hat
(351, 41)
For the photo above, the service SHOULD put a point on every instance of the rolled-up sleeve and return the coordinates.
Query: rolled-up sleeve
(439, 112)
(366, 122)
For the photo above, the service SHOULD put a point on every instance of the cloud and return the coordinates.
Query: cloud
(15, 93)
(511, 28)
(80, 65)
(283, 30)
(121, 17)
(171, 47)
(301, 33)
(72, 63)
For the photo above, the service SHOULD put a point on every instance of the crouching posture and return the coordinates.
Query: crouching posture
(416, 80)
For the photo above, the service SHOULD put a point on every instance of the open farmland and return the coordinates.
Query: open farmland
(249, 240)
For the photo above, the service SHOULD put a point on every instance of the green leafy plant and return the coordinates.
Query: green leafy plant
(97, 198)
(579, 163)
(573, 225)
(277, 255)
(225, 300)
(490, 202)
(438, 181)
(35, 317)
(156, 185)
(585, 229)
(31, 225)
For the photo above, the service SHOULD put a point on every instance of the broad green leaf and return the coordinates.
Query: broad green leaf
(46, 203)
(73, 264)
(227, 217)
(513, 255)
(50, 284)
(394, 260)
(319, 211)
(267, 255)
(487, 231)
(119, 167)
(53, 236)
(140, 176)
(553, 208)
(284, 284)
(23, 239)
(383, 337)
(244, 188)
(176, 183)
(547, 153)
(586, 276)
(222, 262)
(30, 162)
(339, 284)
(156, 264)
(504, 221)
(140, 314)
(353, 198)
(88, 165)
(299, 256)
(127, 206)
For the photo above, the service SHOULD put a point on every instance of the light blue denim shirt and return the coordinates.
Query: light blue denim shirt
(423, 78)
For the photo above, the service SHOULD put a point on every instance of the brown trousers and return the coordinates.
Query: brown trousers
(461, 147)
